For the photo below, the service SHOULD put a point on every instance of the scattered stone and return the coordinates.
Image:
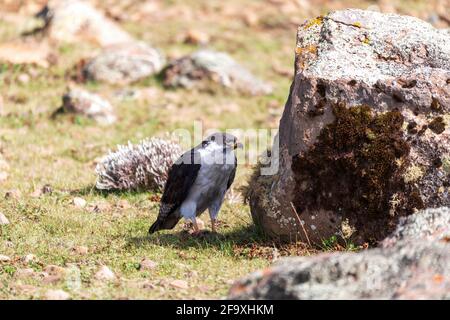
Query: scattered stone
(26, 289)
(20, 52)
(3, 176)
(3, 220)
(179, 284)
(79, 101)
(24, 273)
(105, 274)
(147, 264)
(250, 18)
(13, 194)
(75, 21)
(196, 37)
(142, 166)
(29, 258)
(38, 192)
(57, 295)
(345, 150)
(124, 63)
(23, 78)
(148, 285)
(54, 270)
(4, 258)
(99, 206)
(123, 204)
(81, 250)
(79, 202)
(204, 66)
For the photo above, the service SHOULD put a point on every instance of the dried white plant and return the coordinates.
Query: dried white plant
(141, 166)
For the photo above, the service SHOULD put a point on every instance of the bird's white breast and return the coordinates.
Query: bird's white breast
(212, 179)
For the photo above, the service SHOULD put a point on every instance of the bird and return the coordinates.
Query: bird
(197, 181)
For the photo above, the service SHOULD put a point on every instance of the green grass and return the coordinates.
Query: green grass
(61, 153)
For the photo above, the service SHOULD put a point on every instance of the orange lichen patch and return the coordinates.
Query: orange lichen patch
(314, 22)
(438, 278)
(366, 40)
(239, 288)
(357, 24)
(305, 53)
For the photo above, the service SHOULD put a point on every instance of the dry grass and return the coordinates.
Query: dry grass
(61, 153)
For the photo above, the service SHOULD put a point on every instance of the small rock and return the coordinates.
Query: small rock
(100, 206)
(204, 66)
(23, 78)
(105, 274)
(36, 193)
(47, 189)
(91, 105)
(196, 37)
(148, 285)
(29, 258)
(3, 220)
(124, 63)
(79, 202)
(250, 18)
(123, 204)
(4, 258)
(74, 21)
(81, 250)
(25, 273)
(3, 176)
(179, 284)
(54, 270)
(13, 194)
(147, 264)
(57, 295)
(52, 279)
(25, 288)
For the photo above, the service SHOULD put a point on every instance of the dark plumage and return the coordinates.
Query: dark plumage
(197, 181)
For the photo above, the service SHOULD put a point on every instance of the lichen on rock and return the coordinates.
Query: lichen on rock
(365, 131)
(203, 67)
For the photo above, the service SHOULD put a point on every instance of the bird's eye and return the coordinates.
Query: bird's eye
(213, 138)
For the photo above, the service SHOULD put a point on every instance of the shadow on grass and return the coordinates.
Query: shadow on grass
(182, 240)
(92, 190)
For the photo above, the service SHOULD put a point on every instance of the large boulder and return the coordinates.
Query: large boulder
(364, 138)
(411, 267)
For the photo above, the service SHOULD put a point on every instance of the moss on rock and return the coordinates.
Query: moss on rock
(355, 168)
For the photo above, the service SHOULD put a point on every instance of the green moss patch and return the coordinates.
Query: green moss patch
(356, 167)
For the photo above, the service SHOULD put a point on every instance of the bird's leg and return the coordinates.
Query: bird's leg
(195, 225)
(213, 225)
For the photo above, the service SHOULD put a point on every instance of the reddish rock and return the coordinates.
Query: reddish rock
(364, 138)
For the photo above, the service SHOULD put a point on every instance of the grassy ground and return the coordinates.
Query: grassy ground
(113, 227)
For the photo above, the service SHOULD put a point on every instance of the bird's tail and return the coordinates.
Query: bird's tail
(168, 223)
(156, 226)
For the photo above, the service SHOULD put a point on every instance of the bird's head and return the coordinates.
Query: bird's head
(225, 140)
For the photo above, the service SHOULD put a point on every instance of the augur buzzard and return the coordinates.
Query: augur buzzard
(197, 181)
